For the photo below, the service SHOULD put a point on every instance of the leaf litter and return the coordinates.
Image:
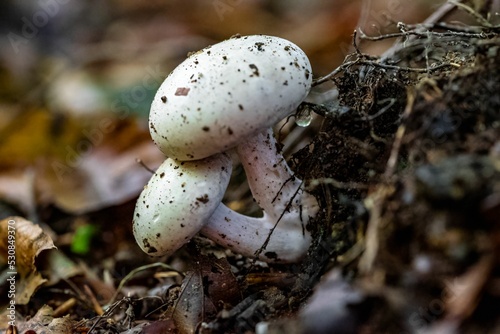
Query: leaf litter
(405, 164)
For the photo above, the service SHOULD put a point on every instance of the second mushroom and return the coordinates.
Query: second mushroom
(227, 96)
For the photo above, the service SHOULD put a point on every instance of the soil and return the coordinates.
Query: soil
(408, 169)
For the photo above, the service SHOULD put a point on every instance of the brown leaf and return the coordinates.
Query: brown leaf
(44, 322)
(59, 267)
(464, 292)
(21, 242)
(102, 179)
(17, 188)
(36, 133)
(160, 326)
(220, 284)
(189, 309)
(78, 165)
(209, 287)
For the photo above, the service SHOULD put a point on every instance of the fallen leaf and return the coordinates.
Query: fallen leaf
(17, 188)
(189, 309)
(464, 292)
(209, 287)
(108, 174)
(21, 242)
(77, 165)
(44, 322)
(220, 285)
(57, 266)
(160, 326)
(35, 133)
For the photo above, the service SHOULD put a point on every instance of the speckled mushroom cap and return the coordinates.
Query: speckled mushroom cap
(227, 92)
(177, 202)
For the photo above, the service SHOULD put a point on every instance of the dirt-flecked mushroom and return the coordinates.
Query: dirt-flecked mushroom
(228, 95)
(225, 92)
(177, 202)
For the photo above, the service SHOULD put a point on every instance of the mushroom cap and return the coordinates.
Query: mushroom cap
(227, 92)
(177, 202)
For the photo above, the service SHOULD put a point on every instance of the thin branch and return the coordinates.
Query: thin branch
(426, 34)
(437, 16)
(334, 72)
(398, 140)
(374, 63)
(355, 44)
(271, 231)
(454, 27)
(335, 183)
(146, 167)
(381, 111)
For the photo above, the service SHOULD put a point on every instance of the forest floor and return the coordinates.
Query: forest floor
(404, 159)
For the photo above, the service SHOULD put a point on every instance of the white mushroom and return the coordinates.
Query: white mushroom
(226, 92)
(230, 94)
(177, 202)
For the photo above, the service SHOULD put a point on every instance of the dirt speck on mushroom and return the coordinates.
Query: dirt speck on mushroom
(182, 91)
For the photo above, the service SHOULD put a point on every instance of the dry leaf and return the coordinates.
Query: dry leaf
(78, 165)
(17, 188)
(36, 133)
(160, 326)
(221, 286)
(189, 310)
(59, 267)
(464, 292)
(105, 175)
(210, 286)
(44, 322)
(24, 240)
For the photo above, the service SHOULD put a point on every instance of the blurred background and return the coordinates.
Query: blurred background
(77, 79)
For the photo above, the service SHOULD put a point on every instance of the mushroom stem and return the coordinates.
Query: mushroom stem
(281, 234)
(251, 237)
(273, 185)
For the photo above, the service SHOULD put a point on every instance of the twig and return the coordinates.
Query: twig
(317, 108)
(97, 307)
(437, 16)
(381, 65)
(355, 44)
(109, 311)
(382, 110)
(407, 69)
(335, 183)
(64, 307)
(271, 231)
(336, 71)
(419, 31)
(454, 27)
(140, 162)
(481, 35)
(131, 274)
(396, 146)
